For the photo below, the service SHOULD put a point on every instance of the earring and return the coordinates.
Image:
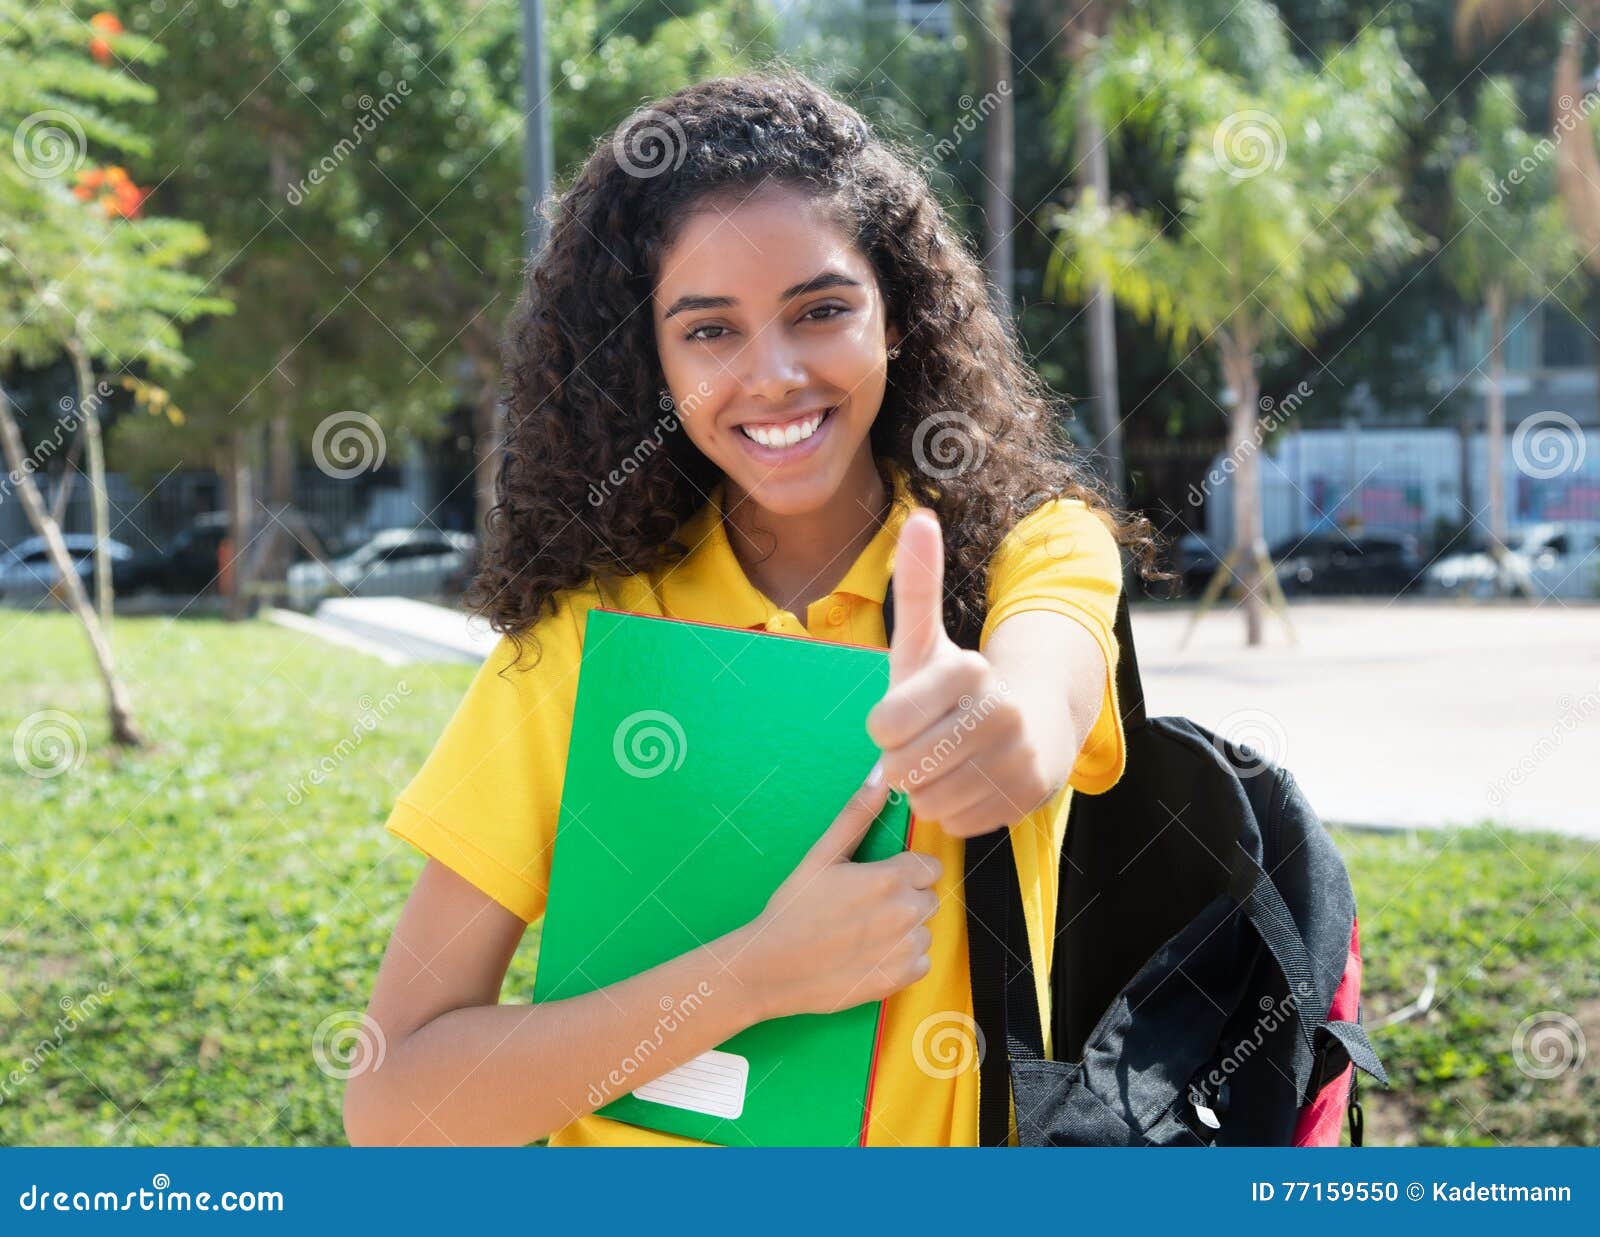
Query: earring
(894, 352)
(666, 399)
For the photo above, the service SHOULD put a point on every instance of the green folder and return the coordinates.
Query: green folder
(705, 761)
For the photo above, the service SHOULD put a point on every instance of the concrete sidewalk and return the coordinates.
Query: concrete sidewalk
(1410, 713)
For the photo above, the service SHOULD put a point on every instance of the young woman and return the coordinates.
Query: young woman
(752, 370)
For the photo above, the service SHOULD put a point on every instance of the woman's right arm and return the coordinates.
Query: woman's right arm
(457, 1067)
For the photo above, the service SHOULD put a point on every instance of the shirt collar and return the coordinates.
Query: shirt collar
(708, 585)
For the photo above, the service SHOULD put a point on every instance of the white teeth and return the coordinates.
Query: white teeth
(776, 438)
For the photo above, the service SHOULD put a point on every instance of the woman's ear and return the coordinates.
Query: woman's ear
(892, 336)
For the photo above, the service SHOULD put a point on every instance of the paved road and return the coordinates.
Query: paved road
(1411, 713)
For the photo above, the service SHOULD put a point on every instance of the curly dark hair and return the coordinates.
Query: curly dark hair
(582, 372)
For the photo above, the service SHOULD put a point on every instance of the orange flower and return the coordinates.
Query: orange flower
(89, 180)
(105, 23)
(129, 198)
(114, 191)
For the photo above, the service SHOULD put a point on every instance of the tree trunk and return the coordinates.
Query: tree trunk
(1577, 161)
(999, 153)
(119, 709)
(1094, 171)
(275, 544)
(1495, 429)
(488, 418)
(99, 503)
(237, 483)
(1239, 367)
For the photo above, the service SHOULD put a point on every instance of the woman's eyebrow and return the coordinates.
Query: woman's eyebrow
(827, 279)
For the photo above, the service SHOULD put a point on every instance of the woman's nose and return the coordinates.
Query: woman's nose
(771, 365)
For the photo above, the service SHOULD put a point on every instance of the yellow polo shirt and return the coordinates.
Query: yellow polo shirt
(486, 800)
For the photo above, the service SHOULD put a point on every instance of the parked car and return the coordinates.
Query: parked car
(1331, 562)
(397, 562)
(27, 574)
(1550, 559)
(188, 563)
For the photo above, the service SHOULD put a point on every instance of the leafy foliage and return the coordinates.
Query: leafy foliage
(1285, 192)
(1510, 231)
(68, 270)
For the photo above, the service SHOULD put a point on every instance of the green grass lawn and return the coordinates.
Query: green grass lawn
(176, 924)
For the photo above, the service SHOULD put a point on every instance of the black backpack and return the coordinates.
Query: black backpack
(1207, 970)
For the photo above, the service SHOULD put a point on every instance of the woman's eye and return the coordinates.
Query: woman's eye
(828, 311)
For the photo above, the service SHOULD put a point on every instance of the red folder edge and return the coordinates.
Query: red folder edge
(911, 819)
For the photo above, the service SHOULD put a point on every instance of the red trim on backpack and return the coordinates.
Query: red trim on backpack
(1322, 1120)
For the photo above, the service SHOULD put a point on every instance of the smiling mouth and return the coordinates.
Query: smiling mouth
(787, 433)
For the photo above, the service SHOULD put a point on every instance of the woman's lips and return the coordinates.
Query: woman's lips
(798, 450)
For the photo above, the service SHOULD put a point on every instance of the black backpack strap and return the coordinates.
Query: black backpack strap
(1130, 687)
(1351, 1037)
(1251, 886)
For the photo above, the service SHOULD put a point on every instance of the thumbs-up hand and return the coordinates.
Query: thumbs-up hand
(952, 735)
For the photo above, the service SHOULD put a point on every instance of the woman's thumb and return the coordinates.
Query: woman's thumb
(839, 842)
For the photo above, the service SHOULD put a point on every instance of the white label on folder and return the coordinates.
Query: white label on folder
(713, 1083)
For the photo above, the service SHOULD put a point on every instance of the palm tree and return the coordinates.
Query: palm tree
(1085, 23)
(1508, 243)
(1577, 166)
(1287, 199)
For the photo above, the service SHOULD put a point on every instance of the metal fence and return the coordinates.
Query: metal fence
(342, 536)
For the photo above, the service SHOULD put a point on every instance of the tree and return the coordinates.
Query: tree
(993, 20)
(1286, 201)
(78, 275)
(1511, 242)
(1085, 23)
(1577, 165)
